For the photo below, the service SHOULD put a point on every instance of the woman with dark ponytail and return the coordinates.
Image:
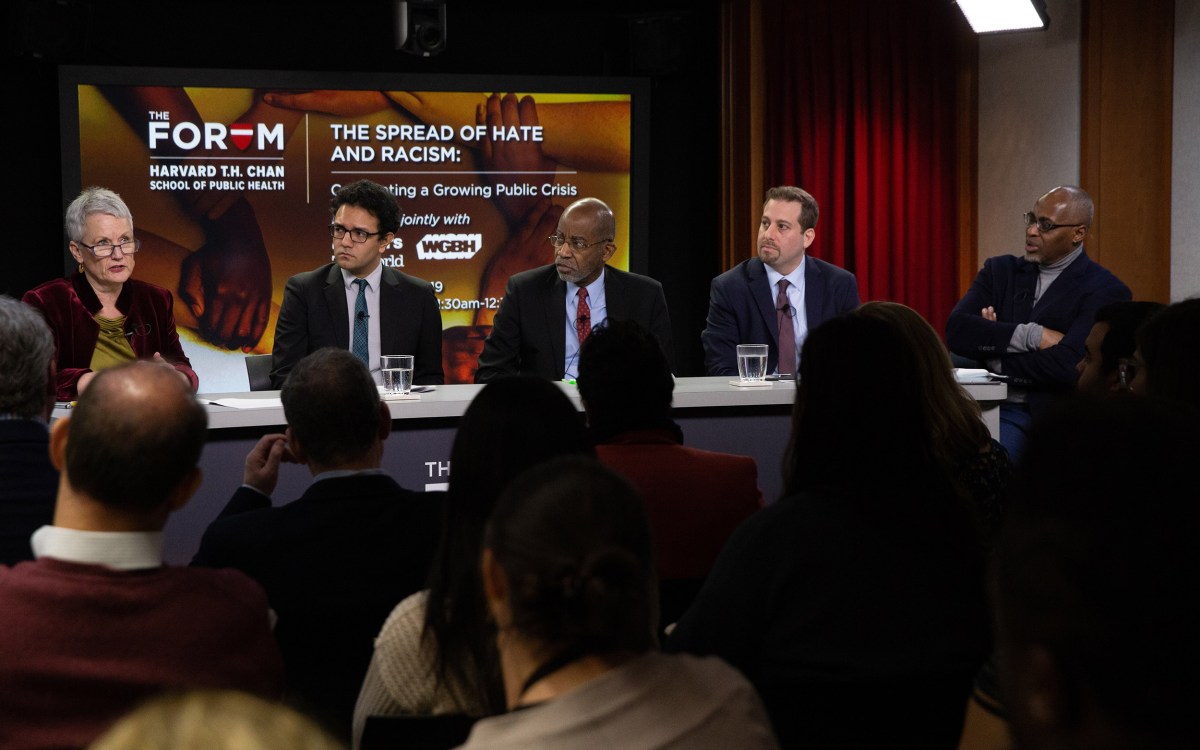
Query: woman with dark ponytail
(440, 659)
(568, 575)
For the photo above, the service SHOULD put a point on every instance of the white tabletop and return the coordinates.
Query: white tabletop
(452, 400)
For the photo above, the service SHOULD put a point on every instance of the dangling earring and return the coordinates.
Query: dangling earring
(81, 267)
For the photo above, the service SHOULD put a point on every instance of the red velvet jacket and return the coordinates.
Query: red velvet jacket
(69, 306)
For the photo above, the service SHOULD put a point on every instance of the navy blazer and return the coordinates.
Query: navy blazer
(334, 563)
(313, 315)
(741, 309)
(529, 333)
(1007, 283)
(28, 486)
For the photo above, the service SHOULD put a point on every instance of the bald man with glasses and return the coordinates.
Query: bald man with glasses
(1027, 318)
(548, 312)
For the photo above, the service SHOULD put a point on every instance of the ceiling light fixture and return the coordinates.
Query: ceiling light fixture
(993, 16)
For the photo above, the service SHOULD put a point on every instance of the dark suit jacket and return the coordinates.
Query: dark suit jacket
(313, 315)
(334, 564)
(28, 485)
(1007, 283)
(69, 306)
(741, 309)
(529, 332)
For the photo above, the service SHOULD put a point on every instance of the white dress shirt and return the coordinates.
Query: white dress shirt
(119, 550)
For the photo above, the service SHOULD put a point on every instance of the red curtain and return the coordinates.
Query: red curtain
(860, 111)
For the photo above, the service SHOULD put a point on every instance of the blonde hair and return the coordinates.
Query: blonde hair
(214, 720)
(956, 427)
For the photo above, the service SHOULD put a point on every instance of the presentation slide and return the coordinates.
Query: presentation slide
(229, 176)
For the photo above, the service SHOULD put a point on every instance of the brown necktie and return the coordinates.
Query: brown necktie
(583, 317)
(787, 333)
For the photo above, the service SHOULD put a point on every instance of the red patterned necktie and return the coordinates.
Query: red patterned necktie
(583, 317)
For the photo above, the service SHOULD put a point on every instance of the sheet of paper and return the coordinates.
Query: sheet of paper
(244, 403)
(976, 375)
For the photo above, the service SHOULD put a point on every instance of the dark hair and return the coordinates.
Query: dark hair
(1123, 319)
(1097, 559)
(373, 197)
(332, 405)
(135, 434)
(26, 351)
(514, 423)
(956, 427)
(625, 380)
(809, 211)
(573, 539)
(1169, 348)
(858, 426)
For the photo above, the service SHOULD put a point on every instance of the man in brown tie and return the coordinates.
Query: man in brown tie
(548, 312)
(777, 297)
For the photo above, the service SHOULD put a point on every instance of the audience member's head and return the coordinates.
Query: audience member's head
(1095, 576)
(568, 563)
(514, 423)
(26, 362)
(214, 720)
(131, 444)
(334, 414)
(1112, 339)
(625, 380)
(1168, 354)
(860, 418)
(954, 420)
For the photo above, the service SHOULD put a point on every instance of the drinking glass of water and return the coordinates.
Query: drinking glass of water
(397, 373)
(752, 362)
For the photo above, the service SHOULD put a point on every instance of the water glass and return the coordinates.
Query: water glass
(752, 362)
(397, 373)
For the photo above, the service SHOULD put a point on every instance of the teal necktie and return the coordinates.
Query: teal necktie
(359, 345)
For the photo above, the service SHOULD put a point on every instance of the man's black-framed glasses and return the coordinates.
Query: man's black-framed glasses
(1043, 224)
(105, 249)
(337, 231)
(576, 243)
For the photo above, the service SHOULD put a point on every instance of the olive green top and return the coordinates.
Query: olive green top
(112, 348)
